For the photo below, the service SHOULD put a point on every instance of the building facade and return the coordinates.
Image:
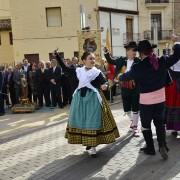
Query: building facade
(40, 27)
(156, 22)
(54, 24)
(6, 40)
(121, 18)
(177, 16)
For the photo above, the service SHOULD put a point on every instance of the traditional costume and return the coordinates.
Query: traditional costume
(129, 88)
(173, 100)
(150, 74)
(90, 119)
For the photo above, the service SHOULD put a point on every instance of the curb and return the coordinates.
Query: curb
(7, 139)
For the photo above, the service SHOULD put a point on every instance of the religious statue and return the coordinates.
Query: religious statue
(24, 88)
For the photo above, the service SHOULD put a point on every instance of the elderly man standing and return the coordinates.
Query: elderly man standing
(55, 77)
(42, 83)
(10, 85)
(27, 68)
(17, 82)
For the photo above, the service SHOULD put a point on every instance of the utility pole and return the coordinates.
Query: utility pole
(155, 33)
(82, 16)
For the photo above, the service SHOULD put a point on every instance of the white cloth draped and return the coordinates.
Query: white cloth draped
(85, 78)
(129, 64)
(176, 67)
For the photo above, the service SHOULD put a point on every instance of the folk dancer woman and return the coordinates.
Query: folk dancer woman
(90, 119)
(173, 100)
(150, 74)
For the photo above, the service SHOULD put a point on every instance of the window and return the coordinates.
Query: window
(53, 17)
(32, 58)
(76, 54)
(53, 57)
(61, 54)
(11, 38)
(129, 29)
(156, 18)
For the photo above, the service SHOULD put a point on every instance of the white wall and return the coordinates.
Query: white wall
(119, 4)
(105, 23)
(118, 23)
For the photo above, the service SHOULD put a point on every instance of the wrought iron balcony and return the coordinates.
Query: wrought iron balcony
(163, 35)
(156, 1)
(127, 37)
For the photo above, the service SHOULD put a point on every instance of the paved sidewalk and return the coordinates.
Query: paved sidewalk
(45, 155)
(17, 125)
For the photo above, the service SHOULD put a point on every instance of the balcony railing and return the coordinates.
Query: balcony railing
(127, 37)
(156, 1)
(162, 35)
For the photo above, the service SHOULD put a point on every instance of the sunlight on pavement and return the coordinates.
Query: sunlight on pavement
(56, 117)
(15, 123)
(4, 120)
(27, 125)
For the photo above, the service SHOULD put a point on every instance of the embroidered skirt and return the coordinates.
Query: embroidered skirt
(173, 107)
(90, 123)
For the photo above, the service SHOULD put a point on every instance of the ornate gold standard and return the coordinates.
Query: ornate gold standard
(25, 106)
(90, 41)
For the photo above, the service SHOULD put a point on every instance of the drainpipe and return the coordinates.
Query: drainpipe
(110, 18)
(138, 19)
(173, 16)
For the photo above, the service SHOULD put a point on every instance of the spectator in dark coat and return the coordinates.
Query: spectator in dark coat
(17, 82)
(27, 68)
(32, 82)
(2, 88)
(55, 78)
(10, 86)
(42, 83)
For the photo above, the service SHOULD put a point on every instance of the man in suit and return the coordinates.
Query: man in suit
(66, 88)
(41, 79)
(47, 88)
(55, 84)
(48, 65)
(10, 84)
(17, 82)
(2, 88)
(67, 66)
(27, 68)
